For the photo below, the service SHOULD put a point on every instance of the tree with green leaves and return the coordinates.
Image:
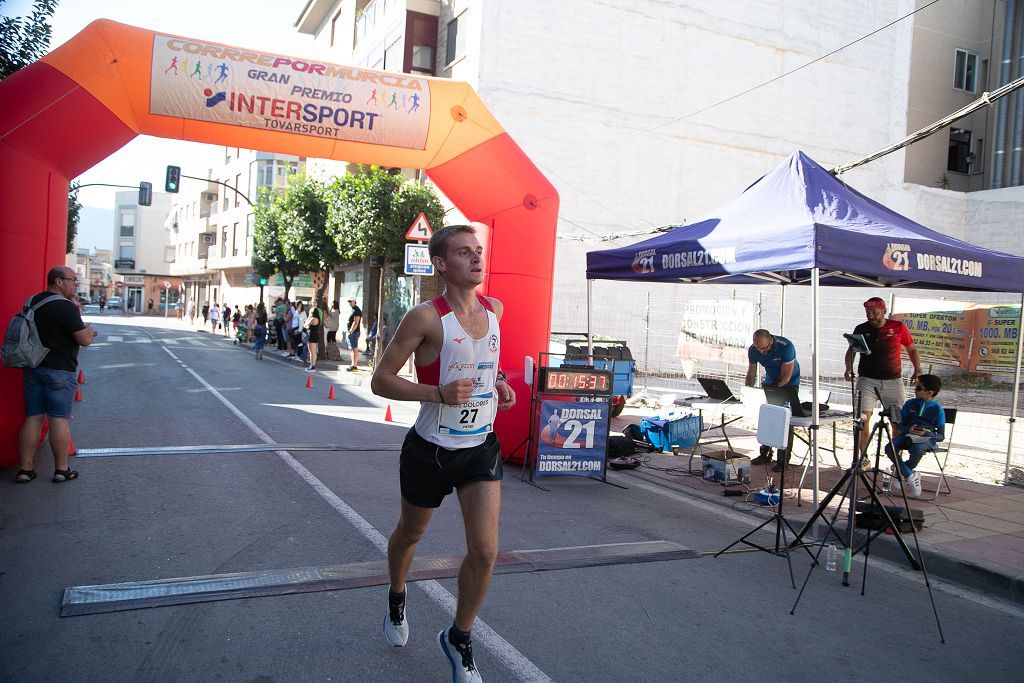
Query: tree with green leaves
(304, 235)
(23, 40)
(74, 213)
(268, 252)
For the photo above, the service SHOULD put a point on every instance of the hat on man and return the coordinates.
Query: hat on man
(875, 302)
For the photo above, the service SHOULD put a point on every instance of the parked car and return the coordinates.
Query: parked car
(83, 300)
(115, 303)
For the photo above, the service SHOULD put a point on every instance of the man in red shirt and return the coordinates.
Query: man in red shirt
(880, 372)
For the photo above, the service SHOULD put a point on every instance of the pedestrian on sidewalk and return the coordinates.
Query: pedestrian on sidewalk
(259, 334)
(206, 312)
(333, 322)
(314, 333)
(250, 322)
(352, 333)
(452, 444)
(214, 317)
(225, 319)
(279, 309)
(50, 387)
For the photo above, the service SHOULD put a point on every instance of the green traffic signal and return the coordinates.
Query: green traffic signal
(263, 282)
(173, 180)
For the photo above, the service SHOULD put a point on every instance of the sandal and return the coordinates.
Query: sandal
(64, 475)
(24, 476)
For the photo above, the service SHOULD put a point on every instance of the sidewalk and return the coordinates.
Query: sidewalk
(973, 536)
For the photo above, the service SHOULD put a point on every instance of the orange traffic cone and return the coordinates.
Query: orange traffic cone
(78, 394)
(81, 376)
(387, 414)
(309, 381)
(71, 447)
(330, 394)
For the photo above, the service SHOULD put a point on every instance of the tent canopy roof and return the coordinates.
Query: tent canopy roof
(799, 217)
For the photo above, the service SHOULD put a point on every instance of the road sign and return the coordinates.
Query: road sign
(420, 230)
(417, 260)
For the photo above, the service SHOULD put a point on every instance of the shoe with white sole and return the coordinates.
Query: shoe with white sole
(460, 657)
(396, 627)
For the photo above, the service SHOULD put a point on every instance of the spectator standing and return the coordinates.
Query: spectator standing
(250, 322)
(214, 317)
(259, 334)
(333, 322)
(206, 312)
(50, 388)
(314, 332)
(279, 309)
(352, 332)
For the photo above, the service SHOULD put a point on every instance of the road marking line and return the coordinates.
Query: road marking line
(513, 659)
(114, 338)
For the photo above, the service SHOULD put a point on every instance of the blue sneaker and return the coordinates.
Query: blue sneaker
(461, 659)
(396, 627)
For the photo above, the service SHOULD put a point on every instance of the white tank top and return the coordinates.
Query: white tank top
(466, 425)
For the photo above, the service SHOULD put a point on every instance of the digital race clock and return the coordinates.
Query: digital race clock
(570, 380)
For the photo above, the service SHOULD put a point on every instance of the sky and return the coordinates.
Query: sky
(265, 24)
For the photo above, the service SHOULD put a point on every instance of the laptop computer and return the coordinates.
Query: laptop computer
(717, 390)
(780, 396)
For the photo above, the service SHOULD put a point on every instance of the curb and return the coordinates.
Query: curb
(979, 575)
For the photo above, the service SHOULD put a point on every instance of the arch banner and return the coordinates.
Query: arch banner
(111, 82)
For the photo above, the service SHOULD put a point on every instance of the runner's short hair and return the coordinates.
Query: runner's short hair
(438, 245)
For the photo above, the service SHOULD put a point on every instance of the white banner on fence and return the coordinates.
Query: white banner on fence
(716, 331)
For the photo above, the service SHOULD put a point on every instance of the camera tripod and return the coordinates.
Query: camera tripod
(781, 524)
(847, 488)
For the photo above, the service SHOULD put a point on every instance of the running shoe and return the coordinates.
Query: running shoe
(461, 659)
(396, 627)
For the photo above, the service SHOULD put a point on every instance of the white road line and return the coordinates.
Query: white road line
(170, 341)
(515, 661)
(114, 338)
(195, 342)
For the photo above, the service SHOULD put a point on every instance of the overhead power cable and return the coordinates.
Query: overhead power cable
(986, 99)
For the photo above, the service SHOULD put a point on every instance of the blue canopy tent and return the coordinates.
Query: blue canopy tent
(798, 224)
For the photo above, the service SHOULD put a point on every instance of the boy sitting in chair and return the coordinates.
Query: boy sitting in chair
(922, 425)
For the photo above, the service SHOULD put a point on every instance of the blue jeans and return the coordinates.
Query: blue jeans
(50, 392)
(917, 451)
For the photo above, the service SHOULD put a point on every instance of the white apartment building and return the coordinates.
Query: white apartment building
(142, 259)
(650, 113)
(211, 229)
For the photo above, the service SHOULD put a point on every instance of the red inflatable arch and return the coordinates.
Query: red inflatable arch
(111, 82)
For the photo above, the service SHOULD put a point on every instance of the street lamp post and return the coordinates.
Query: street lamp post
(167, 297)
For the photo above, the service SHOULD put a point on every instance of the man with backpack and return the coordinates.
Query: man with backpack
(51, 385)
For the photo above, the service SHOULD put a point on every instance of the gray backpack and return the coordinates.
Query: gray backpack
(22, 348)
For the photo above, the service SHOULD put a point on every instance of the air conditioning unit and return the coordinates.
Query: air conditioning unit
(207, 238)
(209, 197)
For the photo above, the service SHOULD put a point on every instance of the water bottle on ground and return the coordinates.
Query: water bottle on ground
(886, 481)
(830, 557)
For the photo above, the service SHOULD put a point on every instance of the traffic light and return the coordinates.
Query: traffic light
(145, 194)
(173, 181)
(263, 282)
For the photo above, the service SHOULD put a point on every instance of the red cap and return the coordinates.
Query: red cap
(874, 302)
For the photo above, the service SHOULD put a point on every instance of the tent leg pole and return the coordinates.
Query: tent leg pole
(1016, 391)
(782, 315)
(590, 313)
(814, 372)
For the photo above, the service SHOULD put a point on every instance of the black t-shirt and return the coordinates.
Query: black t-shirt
(57, 323)
(356, 313)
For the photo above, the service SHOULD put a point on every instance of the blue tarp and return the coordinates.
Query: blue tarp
(799, 217)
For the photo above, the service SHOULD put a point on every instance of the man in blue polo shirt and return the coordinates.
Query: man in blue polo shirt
(777, 355)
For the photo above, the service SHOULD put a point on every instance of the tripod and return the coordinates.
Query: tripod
(847, 486)
(777, 518)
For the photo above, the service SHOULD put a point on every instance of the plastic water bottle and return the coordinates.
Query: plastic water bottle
(830, 557)
(886, 481)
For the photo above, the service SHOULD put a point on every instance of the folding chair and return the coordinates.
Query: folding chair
(942, 449)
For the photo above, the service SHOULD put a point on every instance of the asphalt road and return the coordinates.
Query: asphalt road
(137, 518)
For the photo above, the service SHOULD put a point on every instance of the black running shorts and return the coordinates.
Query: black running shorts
(429, 472)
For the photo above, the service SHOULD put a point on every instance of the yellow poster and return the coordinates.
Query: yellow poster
(994, 343)
(941, 337)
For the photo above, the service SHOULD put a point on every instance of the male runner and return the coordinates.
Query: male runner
(455, 342)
